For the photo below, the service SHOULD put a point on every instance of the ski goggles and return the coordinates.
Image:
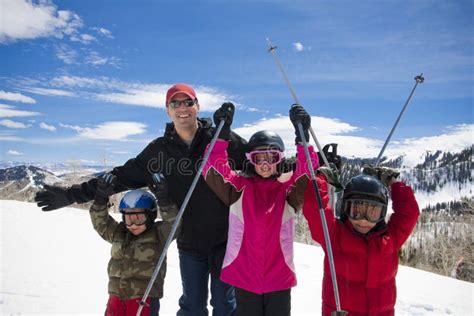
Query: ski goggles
(174, 104)
(134, 218)
(258, 157)
(369, 210)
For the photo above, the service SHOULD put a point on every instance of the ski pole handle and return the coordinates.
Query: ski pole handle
(178, 218)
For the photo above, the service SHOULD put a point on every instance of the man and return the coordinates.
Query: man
(203, 235)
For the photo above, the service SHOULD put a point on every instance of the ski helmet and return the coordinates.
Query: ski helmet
(266, 139)
(367, 188)
(139, 199)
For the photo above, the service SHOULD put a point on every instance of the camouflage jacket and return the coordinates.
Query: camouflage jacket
(133, 258)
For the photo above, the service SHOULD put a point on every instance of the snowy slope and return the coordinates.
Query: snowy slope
(55, 263)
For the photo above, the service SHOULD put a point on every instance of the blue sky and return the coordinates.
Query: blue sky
(85, 80)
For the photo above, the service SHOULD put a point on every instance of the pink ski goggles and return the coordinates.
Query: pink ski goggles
(259, 157)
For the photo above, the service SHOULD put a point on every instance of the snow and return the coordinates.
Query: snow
(451, 191)
(55, 263)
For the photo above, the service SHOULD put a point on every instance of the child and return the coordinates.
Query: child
(365, 247)
(137, 243)
(259, 255)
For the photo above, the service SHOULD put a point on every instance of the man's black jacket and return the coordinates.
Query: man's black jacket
(205, 220)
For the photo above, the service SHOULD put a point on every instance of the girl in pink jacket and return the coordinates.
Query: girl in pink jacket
(259, 255)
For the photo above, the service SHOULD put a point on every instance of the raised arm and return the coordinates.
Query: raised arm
(311, 209)
(103, 223)
(405, 212)
(301, 174)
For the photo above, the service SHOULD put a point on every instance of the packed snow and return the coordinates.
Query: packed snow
(55, 263)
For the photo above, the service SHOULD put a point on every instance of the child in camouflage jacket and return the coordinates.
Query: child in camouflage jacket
(137, 243)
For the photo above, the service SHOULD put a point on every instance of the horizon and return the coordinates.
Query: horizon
(86, 81)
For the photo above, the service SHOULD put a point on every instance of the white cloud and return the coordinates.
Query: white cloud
(9, 138)
(142, 97)
(329, 130)
(49, 92)
(132, 93)
(66, 54)
(83, 38)
(10, 111)
(47, 127)
(154, 95)
(15, 97)
(298, 46)
(12, 124)
(104, 32)
(14, 153)
(95, 59)
(28, 20)
(109, 130)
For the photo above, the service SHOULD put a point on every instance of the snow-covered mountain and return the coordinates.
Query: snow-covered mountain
(437, 177)
(55, 263)
(22, 182)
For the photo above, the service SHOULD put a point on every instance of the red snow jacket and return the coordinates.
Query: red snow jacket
(366, 265)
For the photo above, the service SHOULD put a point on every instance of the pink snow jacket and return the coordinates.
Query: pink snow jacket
(259, 254)
(366, 265)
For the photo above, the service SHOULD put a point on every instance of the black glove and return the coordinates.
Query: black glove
(159, 188)
(52, 198)
(331, 156)
(226, 113)
(384, 174)
(299, 115)
(105, 188)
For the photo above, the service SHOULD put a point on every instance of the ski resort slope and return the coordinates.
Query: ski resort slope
(55, 263)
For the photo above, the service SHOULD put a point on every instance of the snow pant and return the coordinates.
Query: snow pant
(195, 271)
(276, 303)
(119, 307)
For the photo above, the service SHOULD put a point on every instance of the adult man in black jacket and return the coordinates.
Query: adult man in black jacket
(203, 235)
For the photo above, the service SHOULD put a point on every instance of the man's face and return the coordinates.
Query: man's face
(183, 116)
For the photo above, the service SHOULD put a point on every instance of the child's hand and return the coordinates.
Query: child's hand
(225, 113)
(299, 115)
(159, 188)
(386, 175)
(105, 188)
(332, 176)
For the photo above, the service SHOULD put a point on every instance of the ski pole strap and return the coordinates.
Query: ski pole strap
(178, 218)
(327, 239)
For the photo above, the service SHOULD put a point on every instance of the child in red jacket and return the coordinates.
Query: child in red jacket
(365, 247)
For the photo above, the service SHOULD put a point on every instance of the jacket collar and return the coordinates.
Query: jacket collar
(204, 124)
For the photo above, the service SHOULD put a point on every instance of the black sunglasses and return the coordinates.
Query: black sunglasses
(174, 104)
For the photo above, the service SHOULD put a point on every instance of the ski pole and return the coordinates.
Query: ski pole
(178, 218)
(272, 50)
(418, 79)
(327, 239)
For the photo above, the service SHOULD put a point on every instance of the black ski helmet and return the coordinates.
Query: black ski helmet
(268, 139)
(364, 187)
